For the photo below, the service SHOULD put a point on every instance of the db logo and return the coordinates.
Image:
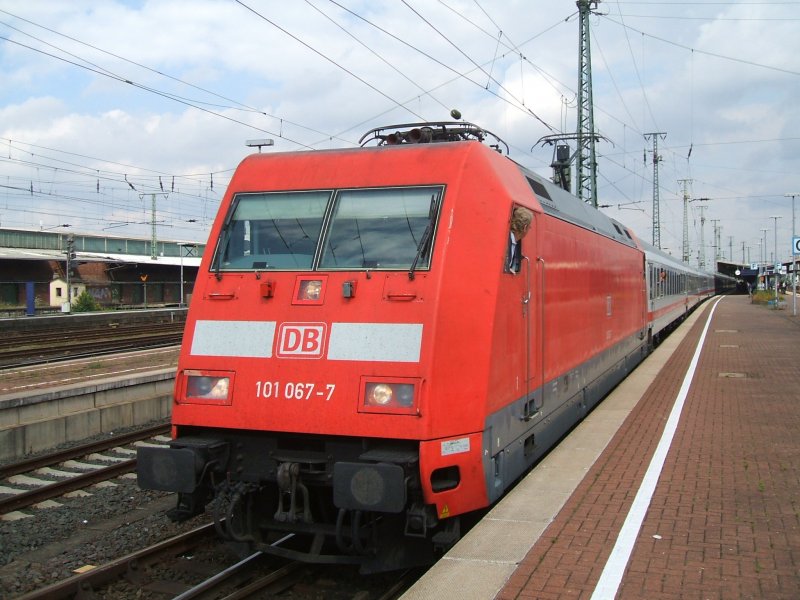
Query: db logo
(301, 340)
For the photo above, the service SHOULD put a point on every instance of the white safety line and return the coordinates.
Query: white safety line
(611, 576)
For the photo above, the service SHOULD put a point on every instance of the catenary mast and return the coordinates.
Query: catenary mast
(586, 160)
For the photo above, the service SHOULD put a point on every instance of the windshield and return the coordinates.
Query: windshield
(379, 228)
(273, 231)
(388, 228)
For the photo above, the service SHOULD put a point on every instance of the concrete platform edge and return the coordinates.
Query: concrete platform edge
(73, 413)
(9, 401)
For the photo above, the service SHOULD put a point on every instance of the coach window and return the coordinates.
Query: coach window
(390, 228)
(655, 287)
(271, 231)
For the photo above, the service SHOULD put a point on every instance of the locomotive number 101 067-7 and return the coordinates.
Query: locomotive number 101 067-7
(293, 390)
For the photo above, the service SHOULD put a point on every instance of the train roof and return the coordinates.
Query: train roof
(554, 200)
(656, 255)
(559, 203)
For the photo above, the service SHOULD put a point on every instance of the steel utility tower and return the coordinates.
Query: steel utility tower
(716, 237)
(153, 238)
(656, 201)
(685, 183)
(586, 160)
(701, 258)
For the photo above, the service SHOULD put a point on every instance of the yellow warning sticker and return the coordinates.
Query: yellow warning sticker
(445, 512)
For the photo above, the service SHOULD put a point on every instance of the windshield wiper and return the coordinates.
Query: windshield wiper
(427, 236)
(421, 249)
(218, 259)
(222, 241)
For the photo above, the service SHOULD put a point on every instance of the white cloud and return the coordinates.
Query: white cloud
(645, 79)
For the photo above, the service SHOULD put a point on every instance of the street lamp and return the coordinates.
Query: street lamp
(794, 260)
(777, 262)
(189, 248)
(259, 143)
(762, 258)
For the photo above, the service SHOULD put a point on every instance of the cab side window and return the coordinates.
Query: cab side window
(521, 221)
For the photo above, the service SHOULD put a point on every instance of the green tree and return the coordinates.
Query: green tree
(85, 303)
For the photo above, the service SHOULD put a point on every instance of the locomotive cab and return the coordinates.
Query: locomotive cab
(307, 399)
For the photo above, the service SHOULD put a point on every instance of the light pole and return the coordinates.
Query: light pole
(259, 143)
(794, 260)
(70, 252)
(189, 247)
(763, 258)
(775, 266)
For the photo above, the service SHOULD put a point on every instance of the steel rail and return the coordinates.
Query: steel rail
(405, 580)
(263, 582)
(38, 348)
(130, 563)
(98, 349)
(212, 586)
(59, 488)
(47, 460)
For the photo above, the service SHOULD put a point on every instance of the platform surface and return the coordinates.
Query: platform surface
(717, 514)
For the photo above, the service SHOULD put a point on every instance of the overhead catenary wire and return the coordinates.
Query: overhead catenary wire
(439, 62)
(233, 104)
(502, 48)
(700, 51)
(386, 61)
(173, 97)
(501, 86)
(326, 57)
(193, 206)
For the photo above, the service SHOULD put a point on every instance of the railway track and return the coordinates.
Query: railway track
(73, 482)
(158, 569)
(172, 568)
(257, 576)
(30, 348)
(129, 565)
(243, 580)
(246, 579)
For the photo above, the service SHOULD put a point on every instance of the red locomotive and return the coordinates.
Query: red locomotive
(369, 355)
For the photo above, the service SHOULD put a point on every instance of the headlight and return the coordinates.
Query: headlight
(379, 394)
(210, 388)
(206, 388)
(393, 397)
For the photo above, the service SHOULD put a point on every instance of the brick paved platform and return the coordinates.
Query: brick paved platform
(724, 520)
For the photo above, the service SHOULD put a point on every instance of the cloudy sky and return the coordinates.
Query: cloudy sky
(104, 103)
